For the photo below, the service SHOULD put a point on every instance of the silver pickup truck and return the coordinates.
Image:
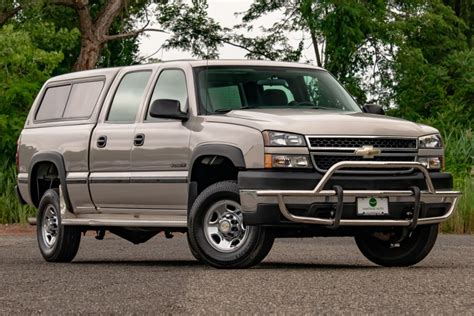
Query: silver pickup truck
(233, 153)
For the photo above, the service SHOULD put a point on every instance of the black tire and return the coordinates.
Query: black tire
(251, 251)
(67, 238)
(411, 250)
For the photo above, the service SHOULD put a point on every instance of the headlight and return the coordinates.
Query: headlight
(283, 139)
(287, 161)
(431, 141)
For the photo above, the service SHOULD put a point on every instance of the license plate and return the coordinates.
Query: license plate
(372, 206)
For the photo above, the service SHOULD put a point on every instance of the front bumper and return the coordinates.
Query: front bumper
(413, 200)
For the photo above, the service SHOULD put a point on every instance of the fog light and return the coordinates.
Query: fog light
(431, 162)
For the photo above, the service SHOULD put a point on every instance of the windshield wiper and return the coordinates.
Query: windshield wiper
(226, 110)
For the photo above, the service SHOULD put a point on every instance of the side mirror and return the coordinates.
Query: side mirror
(166, 108)
(373, 109)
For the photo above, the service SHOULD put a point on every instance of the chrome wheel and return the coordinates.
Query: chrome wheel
(223, 226)
(50, 226)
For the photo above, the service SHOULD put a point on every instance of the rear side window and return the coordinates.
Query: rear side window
(128, 97)
(82, 99)
(53, 103)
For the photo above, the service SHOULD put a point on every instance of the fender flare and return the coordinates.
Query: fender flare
(56, 159)
(233, 153)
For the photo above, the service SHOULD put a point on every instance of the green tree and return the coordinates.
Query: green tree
(24, 69)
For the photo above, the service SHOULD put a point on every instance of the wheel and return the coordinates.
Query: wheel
(392, 253)
(57, 243)
(216, 232)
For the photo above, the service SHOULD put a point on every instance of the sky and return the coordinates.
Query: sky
(221, 11)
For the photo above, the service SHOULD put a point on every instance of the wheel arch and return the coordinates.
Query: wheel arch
(57, 160)
(232, 156)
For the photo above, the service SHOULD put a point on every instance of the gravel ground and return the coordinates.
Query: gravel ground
(320, 275)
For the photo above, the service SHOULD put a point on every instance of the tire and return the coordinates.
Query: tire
(411, 250)
(56, 242)
(229, 244)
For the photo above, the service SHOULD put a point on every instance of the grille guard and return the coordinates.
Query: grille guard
(249, 198)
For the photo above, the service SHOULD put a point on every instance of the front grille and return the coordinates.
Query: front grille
(356, 142)
(324, 162)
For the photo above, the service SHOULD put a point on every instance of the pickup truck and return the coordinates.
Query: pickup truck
(234, 153)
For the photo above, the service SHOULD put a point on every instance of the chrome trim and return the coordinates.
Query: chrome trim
(249, 198)
(123, 222)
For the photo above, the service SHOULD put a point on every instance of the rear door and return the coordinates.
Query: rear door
(112, 141)
(161, 152)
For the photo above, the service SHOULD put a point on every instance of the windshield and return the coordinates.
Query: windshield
(223, 89)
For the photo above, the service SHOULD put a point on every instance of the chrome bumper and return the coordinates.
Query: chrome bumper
(251, 198)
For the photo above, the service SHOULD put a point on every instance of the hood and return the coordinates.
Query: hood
(323, 122)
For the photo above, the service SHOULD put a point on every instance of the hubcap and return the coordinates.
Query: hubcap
(223, 226)
(50, 226)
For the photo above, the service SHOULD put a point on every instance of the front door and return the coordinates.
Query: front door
(112, 142)
(161, 153)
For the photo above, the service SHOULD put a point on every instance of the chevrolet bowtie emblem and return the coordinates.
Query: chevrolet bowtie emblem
(367, 152)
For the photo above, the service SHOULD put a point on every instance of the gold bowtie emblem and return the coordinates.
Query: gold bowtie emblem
(367, 151)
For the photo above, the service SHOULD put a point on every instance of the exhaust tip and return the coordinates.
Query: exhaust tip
(32, 221)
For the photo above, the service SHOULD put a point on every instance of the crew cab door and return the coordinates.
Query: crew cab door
(160, 152)
(112, 140)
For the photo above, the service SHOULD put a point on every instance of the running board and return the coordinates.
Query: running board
(123, 222)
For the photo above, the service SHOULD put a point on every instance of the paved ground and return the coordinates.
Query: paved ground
(299, 276)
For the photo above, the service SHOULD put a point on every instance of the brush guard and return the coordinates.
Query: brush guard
(250, 198)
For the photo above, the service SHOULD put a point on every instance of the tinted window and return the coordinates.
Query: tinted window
(171, 85)
(53, 103)
(83, 99)
(270, 87)
(128, 97)
(225, 97)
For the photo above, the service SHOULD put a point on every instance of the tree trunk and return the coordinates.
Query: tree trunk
(89, 55)
(316, 48)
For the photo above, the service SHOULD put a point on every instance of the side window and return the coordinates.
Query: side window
(226, 97)
(53, 103)
(128, 97)
(83, 99)
(171, 84)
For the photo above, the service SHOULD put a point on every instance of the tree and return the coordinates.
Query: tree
(24, 69)
(96, 21)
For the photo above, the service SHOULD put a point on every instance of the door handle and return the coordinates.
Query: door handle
(139, 140)
(101, 141)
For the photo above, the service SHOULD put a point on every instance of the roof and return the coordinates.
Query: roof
(193, 63)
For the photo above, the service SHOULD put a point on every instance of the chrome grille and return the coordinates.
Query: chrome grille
(356, 142)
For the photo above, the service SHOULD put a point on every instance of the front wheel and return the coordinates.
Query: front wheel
(216, 233)
(57, 243)
(387, 251)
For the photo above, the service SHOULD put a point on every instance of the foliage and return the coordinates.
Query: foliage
(24, 69)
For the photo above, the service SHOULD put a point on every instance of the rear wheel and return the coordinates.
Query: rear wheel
(386, 250)
(216, 232)
(56, 242)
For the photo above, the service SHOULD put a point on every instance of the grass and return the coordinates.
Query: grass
(10, 209)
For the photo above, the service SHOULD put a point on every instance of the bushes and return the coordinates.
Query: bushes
(10, 209)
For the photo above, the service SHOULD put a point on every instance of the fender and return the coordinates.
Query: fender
(56, 159)
(233, 153)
